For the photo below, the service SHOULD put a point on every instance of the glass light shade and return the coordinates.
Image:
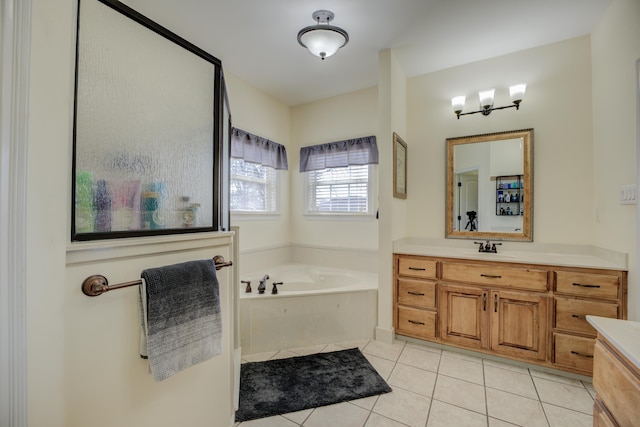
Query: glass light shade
(457, 102)
(322, 40)
(486, 98)
(517, 92)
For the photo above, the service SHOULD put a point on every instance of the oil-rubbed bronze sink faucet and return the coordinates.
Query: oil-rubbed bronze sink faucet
(488, 247)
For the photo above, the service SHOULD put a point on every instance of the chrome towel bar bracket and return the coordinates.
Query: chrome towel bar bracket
(97, 284)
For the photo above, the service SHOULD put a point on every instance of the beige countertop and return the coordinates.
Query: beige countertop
(516, 252)
(623, 334)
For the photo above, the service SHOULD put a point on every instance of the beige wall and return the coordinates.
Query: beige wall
(557, 106)
(615, 50)
(83, 365)
(255, 112)
(334, 119)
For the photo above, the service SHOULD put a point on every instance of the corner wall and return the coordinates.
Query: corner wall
(615, 50)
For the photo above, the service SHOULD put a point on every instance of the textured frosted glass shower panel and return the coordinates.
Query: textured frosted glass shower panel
(144, 128)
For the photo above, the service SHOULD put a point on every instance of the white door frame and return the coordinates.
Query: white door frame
(15, 39)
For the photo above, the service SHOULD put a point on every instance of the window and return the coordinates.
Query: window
(253, 187)
(254, 164)
(339, 176)
(345, 190)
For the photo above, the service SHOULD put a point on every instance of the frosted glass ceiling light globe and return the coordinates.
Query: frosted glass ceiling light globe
(323, 40)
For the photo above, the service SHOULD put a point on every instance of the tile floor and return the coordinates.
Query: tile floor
(433, 388)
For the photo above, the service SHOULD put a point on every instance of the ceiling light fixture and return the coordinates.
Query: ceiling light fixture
(486, 101)
(323, 40)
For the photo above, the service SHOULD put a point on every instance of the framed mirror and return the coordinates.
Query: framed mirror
(490, 186)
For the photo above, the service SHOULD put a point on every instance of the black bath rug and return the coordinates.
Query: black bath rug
(280, 386)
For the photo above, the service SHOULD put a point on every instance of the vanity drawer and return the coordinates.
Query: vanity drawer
(416, 323)
(417, 267)
(570, 314)
(417, 293)
(591, 285)
(574, 352)
(496, 275)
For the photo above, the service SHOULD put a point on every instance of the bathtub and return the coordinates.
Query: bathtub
(314, 305)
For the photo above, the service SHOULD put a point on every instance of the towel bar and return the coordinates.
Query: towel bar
(97, 284)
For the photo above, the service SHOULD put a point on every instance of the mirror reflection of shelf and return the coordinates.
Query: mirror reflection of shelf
(509, 195)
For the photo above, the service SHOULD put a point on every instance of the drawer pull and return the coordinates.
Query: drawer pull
(484, 302)
(586, 286)
(489, 276)
(418, 294)
(588, 356)
(578, 316)
(417, 269)
(495, 303)
(415, 323)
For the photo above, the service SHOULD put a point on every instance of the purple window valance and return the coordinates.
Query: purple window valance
(357, 151)
(255, 149)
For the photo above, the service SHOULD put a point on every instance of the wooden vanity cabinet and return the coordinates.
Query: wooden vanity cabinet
(578, 293)
(506, 321)
(533, 313)
(415, 297)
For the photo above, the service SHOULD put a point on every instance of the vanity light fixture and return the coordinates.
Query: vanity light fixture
(486, 101)
(323, 40)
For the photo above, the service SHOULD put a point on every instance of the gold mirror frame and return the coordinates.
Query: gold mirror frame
(527, 217)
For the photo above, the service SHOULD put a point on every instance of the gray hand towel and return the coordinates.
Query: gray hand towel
(183, 325)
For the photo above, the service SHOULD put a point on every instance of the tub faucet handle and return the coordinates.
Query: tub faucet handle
(248, 283)
(274, 291)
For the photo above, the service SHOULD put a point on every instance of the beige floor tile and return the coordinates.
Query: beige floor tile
(404, 406)
(284, 354)
(258, 357)
(425, 347)
(305, 351)
(420, 358)
(299, 416)
(562, 417)
(505, 365)
(510, 381)
(460, 393)
(564, 395)
(384, 350)
(413, 379)
(277, 421)
(376, 420)
(340, 415)
(461, 355)
(351, 344)
(463, 369)
(366, 402)
(332, 347)
(556, 378)
(494, 422)
(445, 415)
(383, 366)
(515, 409)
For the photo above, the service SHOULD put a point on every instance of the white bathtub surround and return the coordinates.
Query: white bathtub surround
(527, 252)
(315, 305)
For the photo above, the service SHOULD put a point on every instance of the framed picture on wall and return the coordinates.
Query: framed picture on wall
(399, 167)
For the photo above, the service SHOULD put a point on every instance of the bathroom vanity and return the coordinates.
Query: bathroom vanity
(616, 373)
(526, 306)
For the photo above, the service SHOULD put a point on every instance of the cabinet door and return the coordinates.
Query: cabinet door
(463, 315)
(519, 324)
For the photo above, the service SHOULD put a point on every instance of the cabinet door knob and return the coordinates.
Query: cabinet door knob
(495, 303)
(484, 302)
